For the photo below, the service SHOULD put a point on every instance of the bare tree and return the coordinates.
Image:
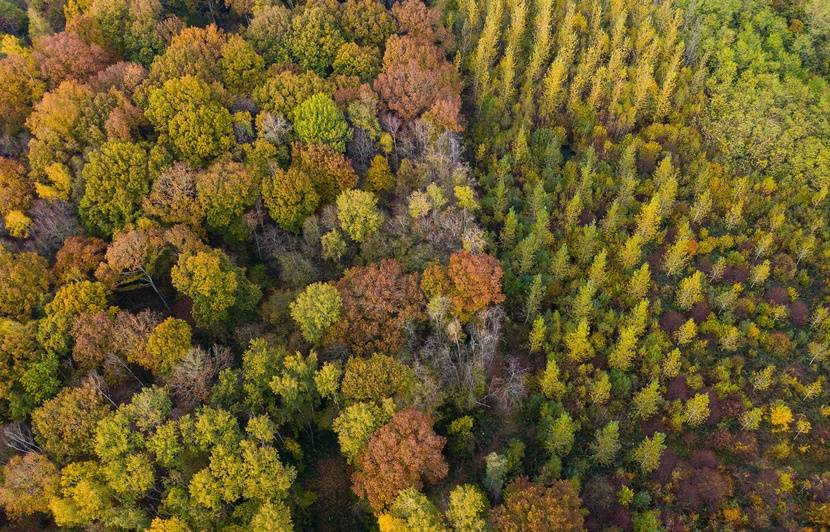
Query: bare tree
(510, 389)
(191, 379)
(18, 436)
(52, 223)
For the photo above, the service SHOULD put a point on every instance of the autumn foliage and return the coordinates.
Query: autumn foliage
(403, 453)
(378, 302)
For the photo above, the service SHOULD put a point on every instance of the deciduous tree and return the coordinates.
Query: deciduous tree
(116, 179)
(193, 121)
(318, 120)
(65, 56)
(535, 508)
(468, 508)
(379, 300)
(217, 287)
(401, 454)
(65, 426)
(290, 196)
(29, 480)
(376, 378)
(316, 309)
(25, 283)
(358, 214)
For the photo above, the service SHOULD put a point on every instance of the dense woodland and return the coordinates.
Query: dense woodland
(470, 265)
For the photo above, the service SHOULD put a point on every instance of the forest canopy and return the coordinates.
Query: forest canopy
(443, 265)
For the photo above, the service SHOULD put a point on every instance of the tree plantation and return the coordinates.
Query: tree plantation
(405, 266)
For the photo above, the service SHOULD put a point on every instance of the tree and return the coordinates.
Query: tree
(173, 524)
(94, 336)
(316, 309)
(358, 214)
(534, 508)
(648, 452)
(550, 381)
(242, 66)
(467, 509)
(330, 172)
(315, 36)
(284, 90)
(134, 259)
(690, 290)
(379, 300)
(191, 380)
(318, 120)
(376, 378)
(65, 426)
(166, 346)
(379, 176)
(294, 386)
(415, 76)
(66, 121)
(272, 516)
(606, 443)
(65, 56)
(624, 350)
(225, 191)
(78, 259)
(267, 31)
(367, 22)
(219, 289)
(195, 124)
(327, 380)
(69, 302)
(20, 87)
(476, 282)
(362, 62)
(356, 424)
(289, 196)
(116, 179)
(172, 198)
(29, 481)
(401, 454)
(25, 283)
(193, 51)
(696, 411)
(16, 189)
(83, 496)
(417, 20)
(558, 434)
(647, 400)
(133, 30)
(412, 510)
(578, 343)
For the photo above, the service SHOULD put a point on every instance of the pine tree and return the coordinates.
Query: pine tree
(578, 344)
(696, 411)
(583, 303)
(648, 453)
(690, 291)
(597, 273)
(677, 255)
(759, 273)
(606, 443)
(620, 357)
(640, 282)
(631, 251)
(600, 390)
(550, 381)
(649, 219)
(510, 229)
(647, 400)
(486, 49)
(537, 334)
